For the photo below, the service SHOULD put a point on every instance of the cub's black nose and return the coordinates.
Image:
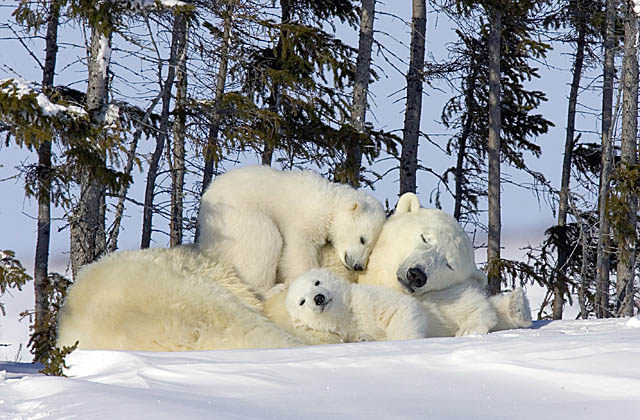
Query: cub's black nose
(416, 277)
(357, 267)
(318, 299)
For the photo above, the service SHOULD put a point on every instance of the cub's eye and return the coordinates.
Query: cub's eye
(317, 283)
(423, 239)
(362, 240)
(302, 302)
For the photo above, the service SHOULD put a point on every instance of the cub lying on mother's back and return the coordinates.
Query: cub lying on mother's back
(321, 301)
(264, 221)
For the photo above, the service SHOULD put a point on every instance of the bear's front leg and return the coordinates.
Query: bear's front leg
(477, 315)
(473, 328)
(298, 257)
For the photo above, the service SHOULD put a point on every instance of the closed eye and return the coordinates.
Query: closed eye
(302, 302)
(423, 239)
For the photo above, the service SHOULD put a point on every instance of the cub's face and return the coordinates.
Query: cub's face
(316, 300)
(354, 232)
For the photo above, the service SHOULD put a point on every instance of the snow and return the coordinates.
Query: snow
(103, 56)
(554, 370)
(20, 87)
(152, 4)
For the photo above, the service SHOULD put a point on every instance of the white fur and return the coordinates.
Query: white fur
(415, 239)
(165, 300)
(321, 301)
(264, 221)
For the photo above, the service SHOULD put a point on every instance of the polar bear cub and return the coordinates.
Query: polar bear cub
(264, 221)
(321, 301)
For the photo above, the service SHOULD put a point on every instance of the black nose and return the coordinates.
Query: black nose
(416, 277)
(358, 267)
(318, 299)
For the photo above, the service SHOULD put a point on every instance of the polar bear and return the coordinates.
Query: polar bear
(164, 300)
(426, 254)
(267, 222)
(321, 301)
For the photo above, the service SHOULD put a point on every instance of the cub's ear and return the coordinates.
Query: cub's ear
(408, 203)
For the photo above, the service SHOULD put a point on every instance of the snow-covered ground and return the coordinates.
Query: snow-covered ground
(555, 370)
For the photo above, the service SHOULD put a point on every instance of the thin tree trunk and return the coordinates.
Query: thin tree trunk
(360, 91)
(627, 244)
(603, 257)
(41, 266)
(559, 287)
(211, 149)
(179, 131)
(411, 130)
(493, 152)
(124, 188)
(276, 92)
(147, 215)
(88, 238)
(582, 295)
(210, 157)
(462, 142)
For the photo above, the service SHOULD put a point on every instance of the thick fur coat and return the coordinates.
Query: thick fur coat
(165, 300)
(269, 223)
(320, 301)
(426, 254)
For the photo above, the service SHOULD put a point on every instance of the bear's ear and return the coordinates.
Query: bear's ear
(408, 203)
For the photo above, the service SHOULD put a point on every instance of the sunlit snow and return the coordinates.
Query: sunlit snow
(585, 369)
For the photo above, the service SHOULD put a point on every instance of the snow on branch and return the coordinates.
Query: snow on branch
(21, 89)
(154, 4)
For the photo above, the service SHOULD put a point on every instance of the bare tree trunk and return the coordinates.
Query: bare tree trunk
(411, 130)
(124, 188)
(147, 215)
(211, 149)
(582, 298)
(603, 257)
(88, 237)
(41, 266)
(493, 152)
(353, 161)
(179, 131)
(221, 79)
(627, 244)
(559, 286)
(462, 141)
(276, 93)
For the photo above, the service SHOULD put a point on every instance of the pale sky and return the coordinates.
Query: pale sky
(522, 218)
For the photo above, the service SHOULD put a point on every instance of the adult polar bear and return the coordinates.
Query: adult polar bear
(164, 300)
(266, 222)
(426, 253)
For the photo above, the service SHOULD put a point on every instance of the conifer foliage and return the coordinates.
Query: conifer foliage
(167, 94)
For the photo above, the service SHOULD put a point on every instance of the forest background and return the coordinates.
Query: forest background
(117, 113)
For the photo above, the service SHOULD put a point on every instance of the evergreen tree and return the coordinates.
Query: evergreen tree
(578, 18)
(514, 119)
(604, 240)
(293, 99)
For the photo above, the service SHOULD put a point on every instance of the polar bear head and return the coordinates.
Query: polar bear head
(356, 223)
(420, 250)
(318, 300)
